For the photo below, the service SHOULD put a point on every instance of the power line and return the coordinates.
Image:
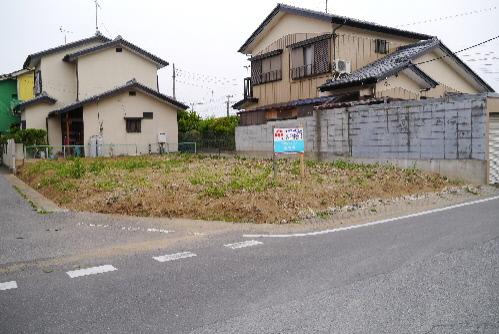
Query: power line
(449, 17)
(462, 50)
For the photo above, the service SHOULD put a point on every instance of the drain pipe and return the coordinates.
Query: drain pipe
(334, 39)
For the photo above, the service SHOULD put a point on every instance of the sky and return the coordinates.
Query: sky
(202, 37)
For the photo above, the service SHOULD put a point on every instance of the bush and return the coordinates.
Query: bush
(28, 137)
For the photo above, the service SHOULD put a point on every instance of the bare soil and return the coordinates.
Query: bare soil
(221, 188)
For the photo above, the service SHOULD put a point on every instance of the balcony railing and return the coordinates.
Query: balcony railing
(266, 77)
(310, 70)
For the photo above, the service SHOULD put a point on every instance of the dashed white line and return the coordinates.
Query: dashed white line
(244, 244)
(341, 229)
(173, 257)
(8, 285)
(91, 271)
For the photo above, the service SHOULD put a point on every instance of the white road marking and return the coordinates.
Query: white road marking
(389, 220)
(244, 244)
(91, 271)
(8, 285)
(173, 257)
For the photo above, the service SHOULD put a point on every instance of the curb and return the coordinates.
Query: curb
(39, 202)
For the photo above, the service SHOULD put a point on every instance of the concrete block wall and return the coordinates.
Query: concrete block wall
(416, 132)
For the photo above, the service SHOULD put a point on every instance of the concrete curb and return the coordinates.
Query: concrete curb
(39, 202)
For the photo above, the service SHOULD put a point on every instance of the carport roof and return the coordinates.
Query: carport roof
(130, 85)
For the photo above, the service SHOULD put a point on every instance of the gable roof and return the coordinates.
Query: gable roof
(117, 42)
(282, 8)
(383, 67)
(13, 75)
(130, 85)
(42, 98)
(398, 61)
(36, 56)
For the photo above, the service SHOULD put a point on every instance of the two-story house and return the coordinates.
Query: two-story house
(99, 87)
(302, 58)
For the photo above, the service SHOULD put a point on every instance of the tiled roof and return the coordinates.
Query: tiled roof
(97, 38)
(386, 66)
(336, 19)
(130, 85)
(401, 60)
(118, 41)
(42, 98)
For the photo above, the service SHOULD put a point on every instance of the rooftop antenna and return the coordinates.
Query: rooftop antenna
(65, 32)
(326, 6)
(97, 6)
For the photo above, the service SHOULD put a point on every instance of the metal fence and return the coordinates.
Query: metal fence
(105, 150)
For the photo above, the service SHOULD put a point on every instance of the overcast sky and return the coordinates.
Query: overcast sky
(202, 37)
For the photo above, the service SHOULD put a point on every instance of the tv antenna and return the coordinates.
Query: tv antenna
(97, 6)
(326, 6)
(65, 32)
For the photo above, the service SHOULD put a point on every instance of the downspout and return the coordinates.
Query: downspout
(47, 128)
(334, 38)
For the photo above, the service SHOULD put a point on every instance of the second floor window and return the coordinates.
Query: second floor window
(310, 59)
(381, 46)
(266, 69)
(38, 83)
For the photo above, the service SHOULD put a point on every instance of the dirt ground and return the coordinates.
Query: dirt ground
(221, 188)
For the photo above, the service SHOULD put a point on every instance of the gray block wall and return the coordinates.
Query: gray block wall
(450, 128)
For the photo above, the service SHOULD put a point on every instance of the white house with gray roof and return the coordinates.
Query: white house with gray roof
(100, 89)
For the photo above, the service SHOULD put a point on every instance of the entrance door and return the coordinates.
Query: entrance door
(72, 132)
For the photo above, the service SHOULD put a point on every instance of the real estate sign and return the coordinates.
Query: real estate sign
(289, 141)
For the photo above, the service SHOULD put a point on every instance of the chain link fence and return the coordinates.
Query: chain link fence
(105, 150)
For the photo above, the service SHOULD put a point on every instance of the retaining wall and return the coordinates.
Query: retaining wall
(446, 135)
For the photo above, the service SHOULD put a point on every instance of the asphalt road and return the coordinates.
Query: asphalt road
(436, 273)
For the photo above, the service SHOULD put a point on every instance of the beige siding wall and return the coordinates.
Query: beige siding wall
(443, 73)
(110, 114)
(400, 86)
(354, 45)
(54, 131)
(107, 69)
(59, 77)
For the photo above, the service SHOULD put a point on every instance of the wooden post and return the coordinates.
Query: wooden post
(302, 165)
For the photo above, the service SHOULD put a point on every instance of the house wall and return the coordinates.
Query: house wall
(352, 44)
(8, 88)
(110, 115)
(443, 73)
(107, 69)
(447, 135)
(59, 77)
(25, 86)
(36, 115)
(398, 86)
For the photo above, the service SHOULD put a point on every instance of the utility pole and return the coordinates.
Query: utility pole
(174, 96)
(228, 104)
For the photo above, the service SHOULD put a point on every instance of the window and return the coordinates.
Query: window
(38, 83)
(266, 69)
(23, 125)
(148, 115)
(381, 46)
(133, 125)
(310, 59)
(132, 93)
(119, 49)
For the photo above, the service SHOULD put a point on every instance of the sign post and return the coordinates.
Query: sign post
(289, 141)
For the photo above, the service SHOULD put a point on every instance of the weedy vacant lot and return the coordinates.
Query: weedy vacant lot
(219, 188)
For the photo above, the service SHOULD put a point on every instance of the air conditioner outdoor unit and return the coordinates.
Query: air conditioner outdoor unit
(342, 66)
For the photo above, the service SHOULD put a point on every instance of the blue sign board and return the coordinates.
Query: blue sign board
(289, 141)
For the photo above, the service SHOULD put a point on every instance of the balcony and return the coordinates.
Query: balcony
(261, 78)
(310, 70)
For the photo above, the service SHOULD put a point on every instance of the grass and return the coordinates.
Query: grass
(220, 188)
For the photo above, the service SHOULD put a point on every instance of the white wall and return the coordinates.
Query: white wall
(104, 70)
(111, 112)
